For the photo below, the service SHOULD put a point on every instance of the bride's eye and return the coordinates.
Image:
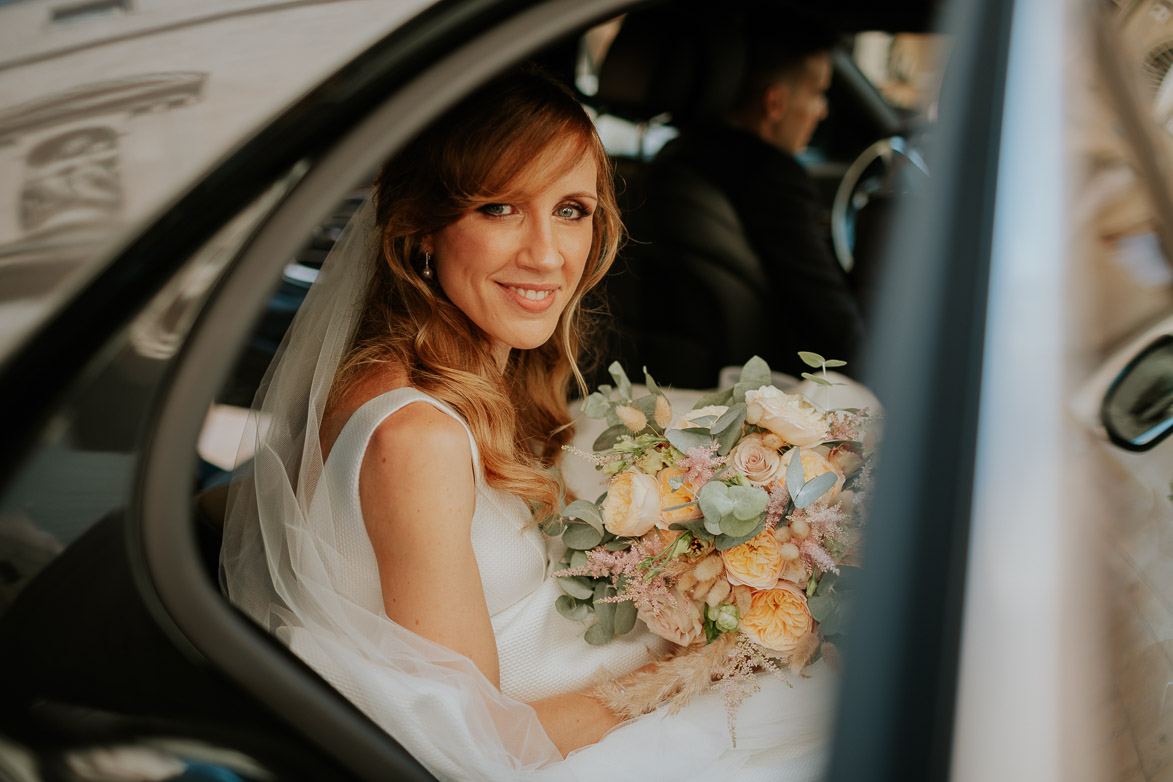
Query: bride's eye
(497, 210)
(572, 211)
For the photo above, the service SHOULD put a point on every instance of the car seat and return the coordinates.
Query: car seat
(687, 294)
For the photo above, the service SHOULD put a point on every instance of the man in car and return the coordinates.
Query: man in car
(751, 155)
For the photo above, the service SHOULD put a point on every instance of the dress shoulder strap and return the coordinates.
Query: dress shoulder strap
(357, 431)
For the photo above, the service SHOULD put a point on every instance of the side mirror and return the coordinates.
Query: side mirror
(1137, 410)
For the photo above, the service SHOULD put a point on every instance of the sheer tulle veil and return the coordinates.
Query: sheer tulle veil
(282, 567)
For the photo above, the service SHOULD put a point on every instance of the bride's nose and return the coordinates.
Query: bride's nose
(540, 246)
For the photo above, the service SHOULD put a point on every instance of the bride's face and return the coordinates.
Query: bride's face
(513, 267)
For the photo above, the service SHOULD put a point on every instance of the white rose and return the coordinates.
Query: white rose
(789, 416)
(754, 459)
(632, 506)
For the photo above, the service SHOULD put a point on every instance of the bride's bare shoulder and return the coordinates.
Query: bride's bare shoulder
(418, 423)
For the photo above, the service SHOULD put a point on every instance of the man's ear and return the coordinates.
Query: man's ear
(775, 101)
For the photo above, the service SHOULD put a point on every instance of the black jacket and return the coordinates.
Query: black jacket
(777, 203)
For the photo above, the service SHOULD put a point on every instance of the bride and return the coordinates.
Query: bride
(404, 444)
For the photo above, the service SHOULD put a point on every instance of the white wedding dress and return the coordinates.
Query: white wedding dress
(782, 730)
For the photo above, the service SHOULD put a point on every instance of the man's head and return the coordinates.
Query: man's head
(788, 70)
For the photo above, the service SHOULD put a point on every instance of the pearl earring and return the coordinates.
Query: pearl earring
(427, 272)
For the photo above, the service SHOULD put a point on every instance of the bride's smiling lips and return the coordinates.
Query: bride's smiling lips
(531, 298)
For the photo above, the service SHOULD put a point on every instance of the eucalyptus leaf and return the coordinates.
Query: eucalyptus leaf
(620, 378)
(675, 482)
(816, 379)
(795, 475)
(735, 527)
(622, 544)
(732, 418)
(605, 613)
(831, 363)
(578, 559)
(584, 510)
(729, 437)
(749, 502)
(571, 608)
(612, 418)
(695, 526)
(814, 488)
(704, 421)
(683, 439)
(577, 586)
(581, 536)
(554, 527)
(756, 372)
(722, 397)
(606, 440)
(596, 405)
(646, 405)
(715, 503)
(811, 359)
(741, 389)
(651, 384)
(726, 542)
(597, 635)
(625, 615)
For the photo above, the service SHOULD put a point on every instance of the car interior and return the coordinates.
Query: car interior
(662, 68)
(665, 66)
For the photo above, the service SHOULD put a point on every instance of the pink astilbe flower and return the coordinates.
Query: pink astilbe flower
(737, 680)
(826, 518)
(818, 555)
(776, 506)
(599, 460)
(638, 584)
(701, 463)
(847, 426)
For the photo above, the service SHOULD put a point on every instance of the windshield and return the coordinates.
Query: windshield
(109, 108)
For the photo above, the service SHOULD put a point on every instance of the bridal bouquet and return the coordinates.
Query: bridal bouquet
(729, 530)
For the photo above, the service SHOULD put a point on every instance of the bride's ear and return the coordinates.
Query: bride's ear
(427, 245)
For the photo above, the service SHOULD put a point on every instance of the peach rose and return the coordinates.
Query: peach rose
(754, 459)
(789, 416)
(815, 464)
(678, 621)
(755, 563)
(632, 506)
(670, 497)
(778, 618)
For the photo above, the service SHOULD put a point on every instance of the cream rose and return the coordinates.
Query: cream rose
(670, 497)
(756, 563)
(754, 459)
(679, 620)
(632, 506)
(789, 416)
(686, 421)
(778, 618)
(815, 464)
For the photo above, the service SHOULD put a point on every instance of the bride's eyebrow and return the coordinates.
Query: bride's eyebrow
(584, 195)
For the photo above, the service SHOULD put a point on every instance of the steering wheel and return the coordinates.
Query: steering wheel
(886, 168)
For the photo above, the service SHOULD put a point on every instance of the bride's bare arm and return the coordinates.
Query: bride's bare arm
(417, 491)
(418, 494)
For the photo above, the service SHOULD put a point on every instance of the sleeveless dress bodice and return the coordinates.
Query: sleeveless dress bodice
(541, 653)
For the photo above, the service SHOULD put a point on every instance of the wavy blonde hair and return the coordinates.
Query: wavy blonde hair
(521, 130)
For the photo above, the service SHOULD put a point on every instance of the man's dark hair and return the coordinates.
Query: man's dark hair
(778, 40)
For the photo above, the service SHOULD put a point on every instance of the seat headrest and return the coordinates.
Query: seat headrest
(671, 60)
